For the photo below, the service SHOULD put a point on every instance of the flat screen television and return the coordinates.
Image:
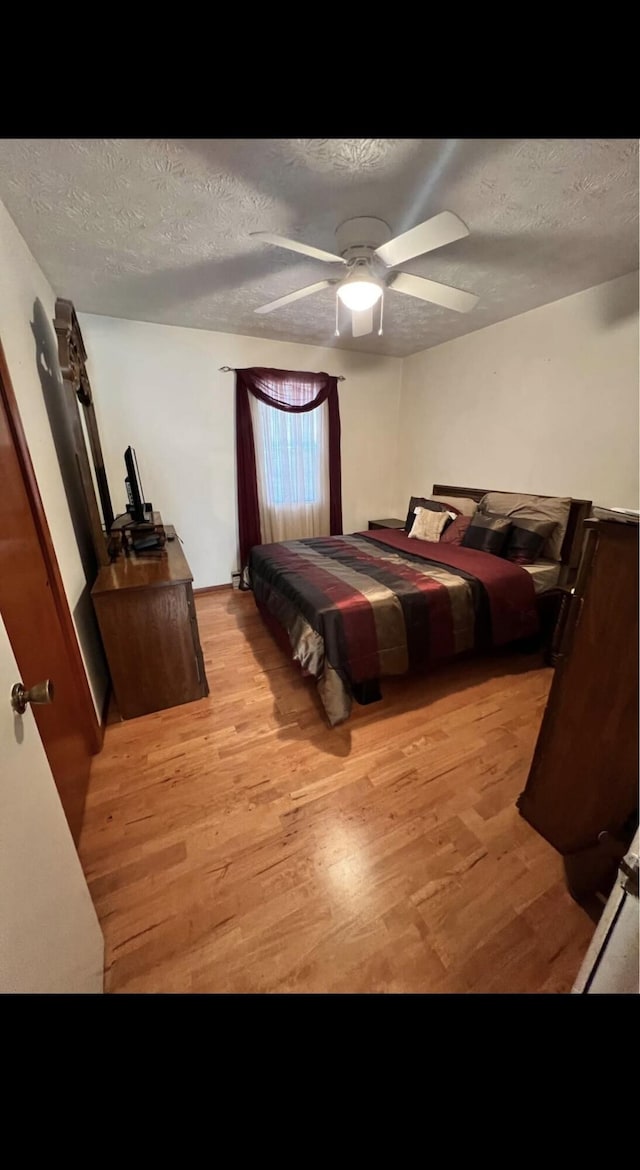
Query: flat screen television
(133, 483)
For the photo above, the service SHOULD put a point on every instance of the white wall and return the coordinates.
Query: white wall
(159, 388)
(22, 285)
(544, 402)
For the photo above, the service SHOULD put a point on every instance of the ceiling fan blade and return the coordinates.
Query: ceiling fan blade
(361, 322)
(433, 233)
(437, 294)
(294, 296)
(295, 246)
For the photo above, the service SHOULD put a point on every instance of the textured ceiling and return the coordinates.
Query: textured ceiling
(158, 230)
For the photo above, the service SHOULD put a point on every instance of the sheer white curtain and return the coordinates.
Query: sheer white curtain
(292, 470)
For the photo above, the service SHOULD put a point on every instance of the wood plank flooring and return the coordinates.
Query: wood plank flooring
(239, 844)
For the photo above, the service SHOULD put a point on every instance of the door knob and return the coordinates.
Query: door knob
(42, 692)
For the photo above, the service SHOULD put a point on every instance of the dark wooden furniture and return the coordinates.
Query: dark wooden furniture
(392, 523)
(582, 790)
(125, 532)
(563, 595)
(149, 629)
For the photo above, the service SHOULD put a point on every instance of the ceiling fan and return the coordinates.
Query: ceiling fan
(365, 248)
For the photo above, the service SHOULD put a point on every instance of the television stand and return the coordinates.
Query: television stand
(149, 628)
(128, 535)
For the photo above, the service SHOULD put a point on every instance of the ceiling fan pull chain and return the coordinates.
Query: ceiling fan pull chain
(337, 316)
(381, 311)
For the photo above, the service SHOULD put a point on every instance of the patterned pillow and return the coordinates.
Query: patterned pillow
(428, 525)
(431, 505)
(454, 533)
(487, 534)
(527, 540)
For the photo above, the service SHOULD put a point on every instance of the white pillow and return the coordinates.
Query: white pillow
(429, 525)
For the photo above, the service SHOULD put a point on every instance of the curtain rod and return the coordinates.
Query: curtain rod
(232, 370)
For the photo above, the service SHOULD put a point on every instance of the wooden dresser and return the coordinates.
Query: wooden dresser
(149, 629)
(582, 790)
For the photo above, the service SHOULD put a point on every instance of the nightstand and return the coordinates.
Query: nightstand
(392, 523)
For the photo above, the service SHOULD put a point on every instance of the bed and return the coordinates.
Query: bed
(353, 609)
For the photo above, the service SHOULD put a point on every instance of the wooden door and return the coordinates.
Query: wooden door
(50, 940)
(36, 615)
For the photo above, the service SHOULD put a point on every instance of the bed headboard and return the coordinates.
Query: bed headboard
(572, 544)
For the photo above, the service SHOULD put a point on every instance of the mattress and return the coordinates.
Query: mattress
(545, 574)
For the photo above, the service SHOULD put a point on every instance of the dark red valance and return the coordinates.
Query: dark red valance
(291, 390)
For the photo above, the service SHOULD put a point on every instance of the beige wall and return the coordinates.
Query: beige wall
(544, 402)
(159, 388)
(27, 304)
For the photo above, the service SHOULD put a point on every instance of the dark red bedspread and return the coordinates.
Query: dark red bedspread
(509, 588)
(379, 603)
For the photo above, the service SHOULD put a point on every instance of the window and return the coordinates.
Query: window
(288, 457)
(295, 459)
(292, 464)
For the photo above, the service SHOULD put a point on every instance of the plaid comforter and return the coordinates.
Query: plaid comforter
(363, 606)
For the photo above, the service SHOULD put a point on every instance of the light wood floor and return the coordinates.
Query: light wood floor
(238, 844)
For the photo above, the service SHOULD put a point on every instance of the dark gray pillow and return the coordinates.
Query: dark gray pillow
(487, 534)
(520, 506)
(527, 540)
(430, 505)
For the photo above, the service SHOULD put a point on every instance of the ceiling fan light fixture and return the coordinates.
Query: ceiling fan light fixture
(360, 294)
(360, 289)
